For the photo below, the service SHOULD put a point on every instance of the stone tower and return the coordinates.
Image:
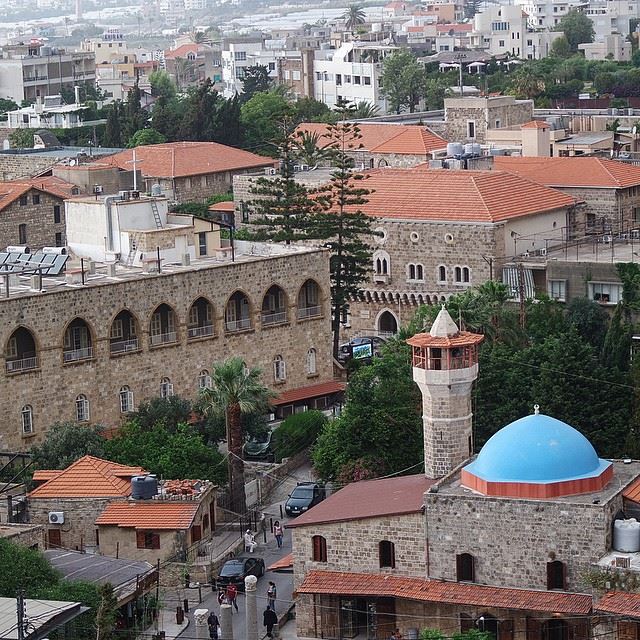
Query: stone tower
(445, 364)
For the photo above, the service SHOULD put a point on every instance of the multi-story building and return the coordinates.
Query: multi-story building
(190, 64)
(547, 14)
(612, 16)
(296, 72)
(610, 47)
(237, 55)
(113, 333)
(351, 73)
(35, 70)
(48, 113)
(111, 46)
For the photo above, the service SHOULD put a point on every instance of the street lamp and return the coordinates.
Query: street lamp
(460, 57)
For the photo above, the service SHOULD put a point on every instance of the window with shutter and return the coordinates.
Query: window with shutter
(465, 567)
(387, 554)
(556, 572)
(196, 533)
(319, 549)
(140, 539)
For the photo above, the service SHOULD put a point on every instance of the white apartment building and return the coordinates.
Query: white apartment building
(612, 16)
(237, 55)
(109, 47)
(352, 73)
(546, 14)
(50, 113)
(612, 47)
(504, 29)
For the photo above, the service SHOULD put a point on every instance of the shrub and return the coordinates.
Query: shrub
(296, 433)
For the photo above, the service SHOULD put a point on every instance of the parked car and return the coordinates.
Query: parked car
(234, 571)
(259, 448)
(361, 347)
(303, 497)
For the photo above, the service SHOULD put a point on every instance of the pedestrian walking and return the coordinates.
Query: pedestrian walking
(222, 597)
(249, 541)
(269, 618)
(278, 532)
(213, 623)
(272, 594)
(232, 595)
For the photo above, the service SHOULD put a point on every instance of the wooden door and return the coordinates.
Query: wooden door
(54, 539)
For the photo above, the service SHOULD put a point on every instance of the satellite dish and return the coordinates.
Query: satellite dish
(73, 162)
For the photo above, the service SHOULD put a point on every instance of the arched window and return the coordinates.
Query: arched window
(319, 549)
(311, 362)
(166, 388)
(387, 324)
(465, 567)
(124, 333)
(412, 272)
(77, 342)
(387, 554)
(556, 575)
(279, 369)
(419, 272)
(466, 275)
(381, 263)
(22, 234)
(274, 306)
(126, 399)
(82, 408)
(20, 354)
(200, 319)
(162, 329)
(26, 415)
(457, 274)
(442, 274)
(237, 313)
(309, 300)
(204, 380)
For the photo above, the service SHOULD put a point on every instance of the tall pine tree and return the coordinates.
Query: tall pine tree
(113, 131)
(135, 117)
(345, 229)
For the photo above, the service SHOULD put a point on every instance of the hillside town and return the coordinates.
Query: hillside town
(320, 321)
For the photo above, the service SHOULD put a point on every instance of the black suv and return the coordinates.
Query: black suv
(234, 571)
(303, 497)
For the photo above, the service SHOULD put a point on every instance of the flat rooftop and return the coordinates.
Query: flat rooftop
(9, 530)
(623, 475)
(98, 274)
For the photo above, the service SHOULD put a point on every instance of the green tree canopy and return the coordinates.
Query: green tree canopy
(65, 443)
(577, 28)
(162, 86)
(354, 16)
(256, 80)
(144, 137)
(403, 81)
(259, 118)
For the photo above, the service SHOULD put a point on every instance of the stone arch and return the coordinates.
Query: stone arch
(238, 311)
(200, 318)
(163, 324)
(309, 299)
(387, 323)
(124, 332)
(78, 341)
(274, 306)
(21, 350)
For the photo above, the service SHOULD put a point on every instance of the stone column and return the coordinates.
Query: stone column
(251, 607)
(202, 628)
(226, 625)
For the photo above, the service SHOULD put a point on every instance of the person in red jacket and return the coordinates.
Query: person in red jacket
(232, 594)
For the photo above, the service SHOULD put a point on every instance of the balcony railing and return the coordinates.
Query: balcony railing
(23, 364)
(162, 338)
(122, 346)
(273, 317)
(308, 312)
(200, 332)
(237, 325)
(74, 355)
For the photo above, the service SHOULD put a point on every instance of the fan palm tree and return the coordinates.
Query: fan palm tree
(354, 16)
(365, 109)
(235, 390)
(308, 148)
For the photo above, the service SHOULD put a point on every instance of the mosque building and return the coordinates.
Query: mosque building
(529, 540)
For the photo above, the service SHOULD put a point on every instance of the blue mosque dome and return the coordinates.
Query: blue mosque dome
(537, 449)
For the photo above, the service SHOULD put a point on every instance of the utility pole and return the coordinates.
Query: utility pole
(521, 294)
(22, 615)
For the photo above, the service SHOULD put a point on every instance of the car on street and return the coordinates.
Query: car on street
(361, 348)
(259, 447)
(234, 571)
(303, 497)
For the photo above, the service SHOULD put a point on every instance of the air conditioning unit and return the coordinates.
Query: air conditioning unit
(622, 562)
(56, 517)
(135, 195)
(543, 251)
(270, 171)
(124, 195)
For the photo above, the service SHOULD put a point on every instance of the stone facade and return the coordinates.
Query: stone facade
(485, 114)
(15, 166)
(26, 535)
(41, 229)
(100, 377)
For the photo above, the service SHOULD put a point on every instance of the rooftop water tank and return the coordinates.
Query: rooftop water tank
(455, 149)
(498, 152)
(144, 487)
(156, 189)
(626, 535)
(472, 149)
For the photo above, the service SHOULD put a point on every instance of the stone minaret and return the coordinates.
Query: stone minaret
(445, 364)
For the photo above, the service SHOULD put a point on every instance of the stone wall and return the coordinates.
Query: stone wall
(41, 228)
(14, 166)
(79, 529)
(578, 274)
(353, 546)
(47, 315)
(25, 535)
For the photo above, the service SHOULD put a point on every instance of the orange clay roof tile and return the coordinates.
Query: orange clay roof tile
(310, 391)
(587, 172)
(89, 477)
(11, 191)
(449, 195)
(365, 584)
(181, 159)
(461, 339)
(620, 603)
(149, 514)
(227, 205)
(535, 124)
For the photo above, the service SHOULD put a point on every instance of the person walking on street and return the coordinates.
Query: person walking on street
(272, 594)
(232, 594)
(249, 541)
(269, 618)
(213, 623)
(278, 532)
(222, 597)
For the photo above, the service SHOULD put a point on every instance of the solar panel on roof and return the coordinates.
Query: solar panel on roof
(47, 264)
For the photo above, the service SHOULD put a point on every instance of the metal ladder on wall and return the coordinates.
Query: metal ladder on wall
(156, 214)
(132, 254)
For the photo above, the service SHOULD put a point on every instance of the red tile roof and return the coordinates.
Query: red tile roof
(448, 195)
(620, 603)
(310, 391)
(227, 205)
(369, 499)
(573, 171)
(456, 28)
(149, 514)
(632, 492)
(535, 124)
(88, 477)
(284, 563)
(183, 50)
(386, 138)
(462, 339)
(181, 159)
(45, 474)
(457, 593)
(11, 191)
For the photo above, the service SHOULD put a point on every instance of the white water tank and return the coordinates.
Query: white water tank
(626, 535)
(473, 149)
(455, 149)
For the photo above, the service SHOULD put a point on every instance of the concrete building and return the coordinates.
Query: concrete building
(612, 16)
(237, 55)
(352, 73)
(424, 551)
(111, 46)
(112, 335)
(547, 14)
(47, 113)
(191, 64)
(297, 73)
(36, 70)
(611, 47)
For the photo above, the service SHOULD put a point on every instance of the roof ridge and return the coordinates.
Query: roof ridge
(480, 194)
(606, 168)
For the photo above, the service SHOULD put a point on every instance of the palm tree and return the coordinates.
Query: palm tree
(308, 149)
(354, 16)
(235, 390)
(365, 109)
